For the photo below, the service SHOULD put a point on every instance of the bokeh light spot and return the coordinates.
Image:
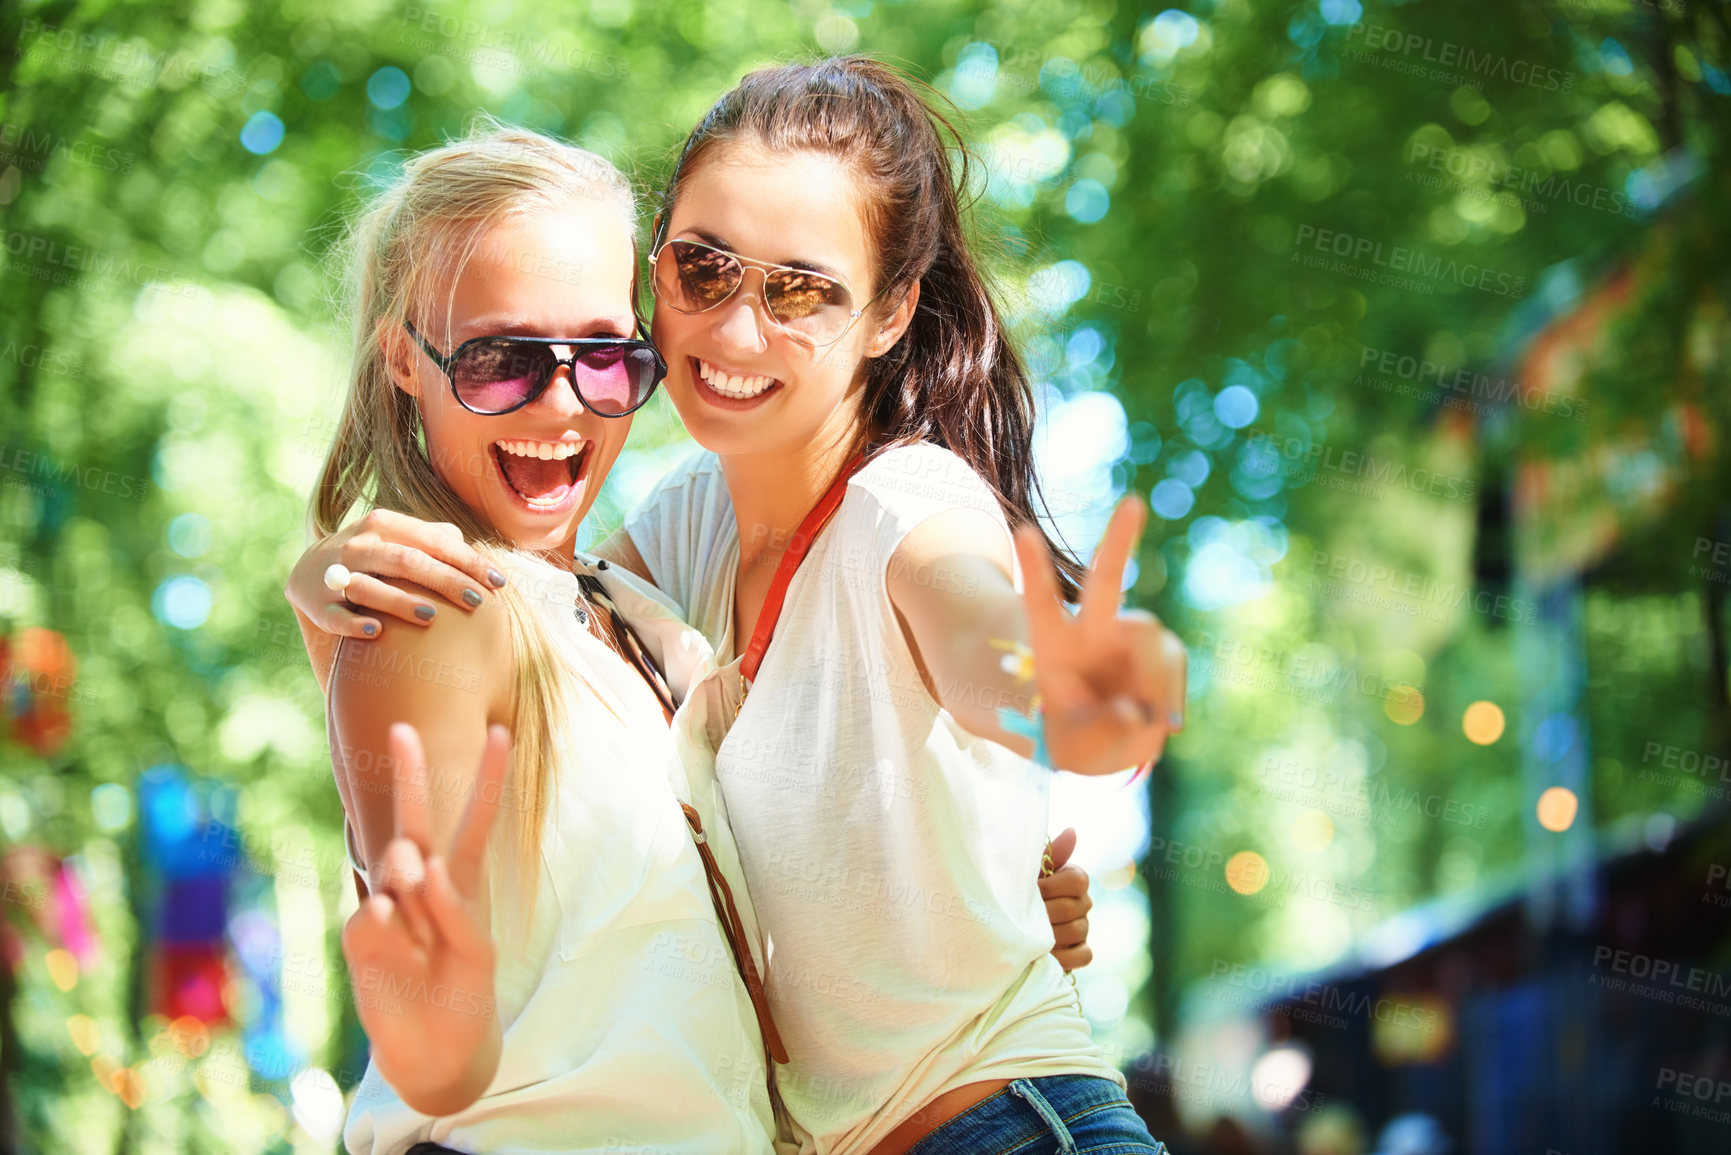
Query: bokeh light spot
(1055, 288)
(1342, 11)
(1172, 499)
(86, 1035)
(1278, 1076)
(1236, 407)
(1483, 723)
(1614, 58)
(189, 1036)
(182, 602)
(1557, 808)
(262, 133)
(1405, 706)
(62, 968)
(388, 87)
(111, 807)
(318, 1105)
(128, 1084)
(1247, 872)
(44, 652)
(189, 534)
(1087, 201)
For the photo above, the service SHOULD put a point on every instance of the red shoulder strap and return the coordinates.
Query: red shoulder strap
(796, 551)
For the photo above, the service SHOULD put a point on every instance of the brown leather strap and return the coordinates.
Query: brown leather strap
(628, 644)
(722, 895)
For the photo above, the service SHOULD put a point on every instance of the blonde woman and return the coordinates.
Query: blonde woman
(567, 984)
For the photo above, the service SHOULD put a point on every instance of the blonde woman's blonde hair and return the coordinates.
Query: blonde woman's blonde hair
(415, 235)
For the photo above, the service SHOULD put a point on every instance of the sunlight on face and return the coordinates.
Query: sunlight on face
(777, 393)
(558, 272)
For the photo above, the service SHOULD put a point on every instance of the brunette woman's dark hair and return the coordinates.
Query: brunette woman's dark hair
(954, 378)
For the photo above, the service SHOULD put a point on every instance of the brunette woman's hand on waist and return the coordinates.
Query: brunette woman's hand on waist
(420, 948)
(1111, 681)
(1065, 891)
(433, 555)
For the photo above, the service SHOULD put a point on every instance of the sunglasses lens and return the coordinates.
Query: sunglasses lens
(615, 379)
(493, 376)
(693, 277)
(810, 304)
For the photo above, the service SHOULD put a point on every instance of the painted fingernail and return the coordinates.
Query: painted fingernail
(1175, 721)
(473, 597)
(497, 578)
(425, 613)
(370, 629)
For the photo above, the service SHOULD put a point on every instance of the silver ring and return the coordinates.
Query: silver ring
(338, 577)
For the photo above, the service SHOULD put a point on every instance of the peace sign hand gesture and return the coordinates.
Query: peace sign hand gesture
(420, 948)
(1111, 681)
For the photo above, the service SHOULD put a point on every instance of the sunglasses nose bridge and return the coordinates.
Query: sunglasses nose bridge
(756, 304)
(762, 294)
(566, 400)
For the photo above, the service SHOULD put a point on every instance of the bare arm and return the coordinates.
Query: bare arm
(1111, 684)
(949, 582)
(321, 649)
(425, 925)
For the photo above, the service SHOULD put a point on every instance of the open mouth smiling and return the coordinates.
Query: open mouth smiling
(544, 474)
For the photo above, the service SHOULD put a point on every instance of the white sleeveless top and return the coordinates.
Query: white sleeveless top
(626, 1026)
(892, 856)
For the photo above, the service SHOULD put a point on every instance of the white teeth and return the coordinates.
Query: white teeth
(545, 450)
(728, 385)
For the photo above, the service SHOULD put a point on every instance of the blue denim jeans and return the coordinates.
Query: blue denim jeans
(1054, 1115)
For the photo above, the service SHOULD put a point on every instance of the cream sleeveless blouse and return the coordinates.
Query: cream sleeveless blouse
(626, 1026)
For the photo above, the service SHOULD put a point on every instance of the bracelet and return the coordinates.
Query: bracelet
(1018, 661)
(1029, 726)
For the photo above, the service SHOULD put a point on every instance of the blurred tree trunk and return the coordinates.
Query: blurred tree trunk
(1162, 916)
(11, 1132)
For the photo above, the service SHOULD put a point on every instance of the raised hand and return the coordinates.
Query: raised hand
(1111, 681)
(420, 948)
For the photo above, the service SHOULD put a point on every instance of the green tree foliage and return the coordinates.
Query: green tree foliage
(1275, 232)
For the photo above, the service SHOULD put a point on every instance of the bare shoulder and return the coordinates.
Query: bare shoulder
(456, 653)
(955, 534)
(449, 681)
